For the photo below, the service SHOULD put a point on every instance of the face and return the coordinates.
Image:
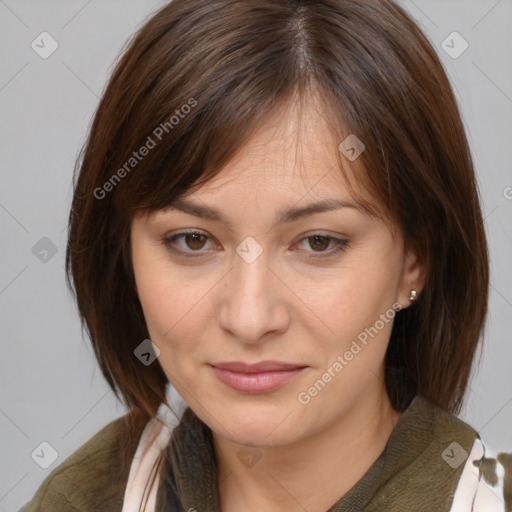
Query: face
(272, 327)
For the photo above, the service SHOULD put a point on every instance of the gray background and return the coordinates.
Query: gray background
(51, 389)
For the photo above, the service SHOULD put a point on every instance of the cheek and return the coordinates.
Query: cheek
(176, 311)
(168, 317)
(349, 302)
(350, 306)
(163, 296)
(154, 296)
(169, 314)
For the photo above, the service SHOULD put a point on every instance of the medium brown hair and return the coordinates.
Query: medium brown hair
(235, 63)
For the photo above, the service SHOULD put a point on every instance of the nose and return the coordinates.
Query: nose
(254, 301)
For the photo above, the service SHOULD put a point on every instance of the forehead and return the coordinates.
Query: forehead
(293, 151)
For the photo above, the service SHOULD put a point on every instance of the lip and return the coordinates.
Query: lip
(261, 377)
(262, 366)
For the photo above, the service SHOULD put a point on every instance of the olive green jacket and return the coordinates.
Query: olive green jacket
(419, 470)
(93, 478)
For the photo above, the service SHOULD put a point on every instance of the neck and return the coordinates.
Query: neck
(331, 462)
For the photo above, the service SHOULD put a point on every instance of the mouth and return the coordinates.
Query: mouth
(262, 377)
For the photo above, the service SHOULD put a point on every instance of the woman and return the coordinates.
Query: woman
(278, 251)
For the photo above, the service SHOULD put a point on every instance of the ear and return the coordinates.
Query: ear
(413, 277)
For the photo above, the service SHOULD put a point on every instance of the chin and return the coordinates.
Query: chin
(258, 437)
(256, 425)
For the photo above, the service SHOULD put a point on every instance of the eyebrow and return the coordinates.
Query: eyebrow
(283, 217)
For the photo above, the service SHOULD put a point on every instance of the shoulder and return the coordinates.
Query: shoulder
(466, 473)
(449, 433)
(93, 477)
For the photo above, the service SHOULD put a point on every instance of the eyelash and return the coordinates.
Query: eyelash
(340, 245)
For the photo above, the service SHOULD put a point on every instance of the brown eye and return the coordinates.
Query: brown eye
(192, 244)
(193, 240)
(319, 242)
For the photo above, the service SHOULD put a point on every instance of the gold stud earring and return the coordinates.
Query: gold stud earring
(413, 295)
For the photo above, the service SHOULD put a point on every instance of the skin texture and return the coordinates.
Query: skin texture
(290, 304)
